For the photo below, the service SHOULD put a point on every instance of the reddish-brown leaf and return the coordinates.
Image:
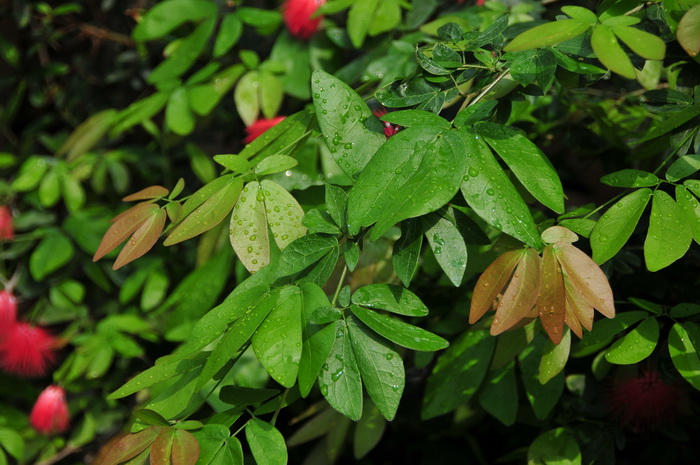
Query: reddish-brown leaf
(127, 222)
(185, 448)
(571, 320)
(127, 211)
(580, 309)
(152, 192)
(520, 295)
(142, 240)
(551, 303)
(587, 277)
(126, 446)
(491, 282)
(162, 447)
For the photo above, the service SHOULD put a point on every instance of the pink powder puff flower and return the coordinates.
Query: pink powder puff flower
(260, 126)
(7, 231)
(27, 350)
(297, 17)
(50, 412)
(389, 129)
(8, 312)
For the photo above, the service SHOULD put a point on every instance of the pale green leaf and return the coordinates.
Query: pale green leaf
(447, 244)
(547, 34)
(609, 52)
(669, 235)
(636, 345)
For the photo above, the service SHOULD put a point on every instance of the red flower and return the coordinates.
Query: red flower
(8, 312)
(644, 402)
(389, 129)
(297, 17)
(7, 231)
(27, 350)
(50, 412)
(259, 127)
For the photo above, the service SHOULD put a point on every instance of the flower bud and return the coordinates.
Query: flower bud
(50, 412)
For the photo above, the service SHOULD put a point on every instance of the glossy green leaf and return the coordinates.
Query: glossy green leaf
(493, 197)
(304, 252)
(408, 118)
(360, 18)
(691, 209)
(528, 163)
(688, 32)
(684, 355)
(636, 345)
(557, 446)
(406, 254)
(554, 357)
(207, 215)
(244, 396)
(533, 66)
(266, 443)
(420, 170)
(458, 373)
(12, 442)
(337, 204)
(641, 42)
(166, 16)
(672, 122)
(341, 115)
(609, 52)
(390, 297)
(604, 331)
(186, 53)
(316, 345)
(381, 368)
(403, 334)
(447, 245)
(277, 342)
(669, 235)
(542, 397)
(615, 227)
(53, 251)
(683, 167)
(340, 381)
(275, 164)
(318, 221)
(630, 178)
(499, 394)
(474, 113)
(581, 14)
(547, 34)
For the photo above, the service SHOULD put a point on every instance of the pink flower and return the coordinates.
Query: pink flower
(50, 412)
(7, 231)
(644, 402)
(389, 129)
(297, 17)
(8, 312)
(27, 350)
(259, 127)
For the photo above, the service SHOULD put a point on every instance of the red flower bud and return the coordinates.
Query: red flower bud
(7, 231)
(8, 312)
(27, 350)
(50, 412)
(389, 129)
(297, 17)
(260, 126)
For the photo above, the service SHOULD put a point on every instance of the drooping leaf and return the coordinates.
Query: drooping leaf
(554, 357)
(499, 394)
(381, 368)
(390, 297)
(691, 209)
(551, 303)
(491, 283)
(337, 204)
(615, 227)
(249, 228)
(266, 443)
(578, 311)
(447, 245)
(359, 20)
(458, 373)
(143, 239)
(542, 397)
(403, 334)
(636, 345)
(340, 381)
(316, 345)
(669, 235)
(520, 295)
(406, 253)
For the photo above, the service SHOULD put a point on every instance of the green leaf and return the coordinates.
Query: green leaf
(636, 345)
(403, 334)
(630, 178)
(166, 16)
(341, 115)
(87, 135)
(641, 42)
(271, 94)
(277, 343)
(258, 17)
(528, 163)
(230, 31)
(406, 253)
(54, 251)
(420, 170)
(684, 355)
(669, 235)
(340, 381)
(304, 252)
(208, 214)
(275, 164)
(499, 394)
(542, 397)
(186, 53)
(391, 298)
(266, 443)
(475, 113)
(493, 197)
(319, 222)
(532, 66)
(683, 167)
(369, 430)
(244, 396)
(554, 357)
(49, 189)
(30, 174)
(360, 18)
(557, 446)
(429, 65)
(408, 118)
(380, 366)
(581, 14)
(688, 32)
(685, 310)
(675, 120)
(604, 331)
(337, 205)
(458, 373)
(447, 245)
(178, 115)
(615, 227)
(12, 442)
(609, 52)
(246, 97)
(691, 209)
(547, 34)
(316, 341)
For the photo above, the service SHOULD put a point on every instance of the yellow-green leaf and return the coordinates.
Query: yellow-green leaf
(669, 235)
(609, 52)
